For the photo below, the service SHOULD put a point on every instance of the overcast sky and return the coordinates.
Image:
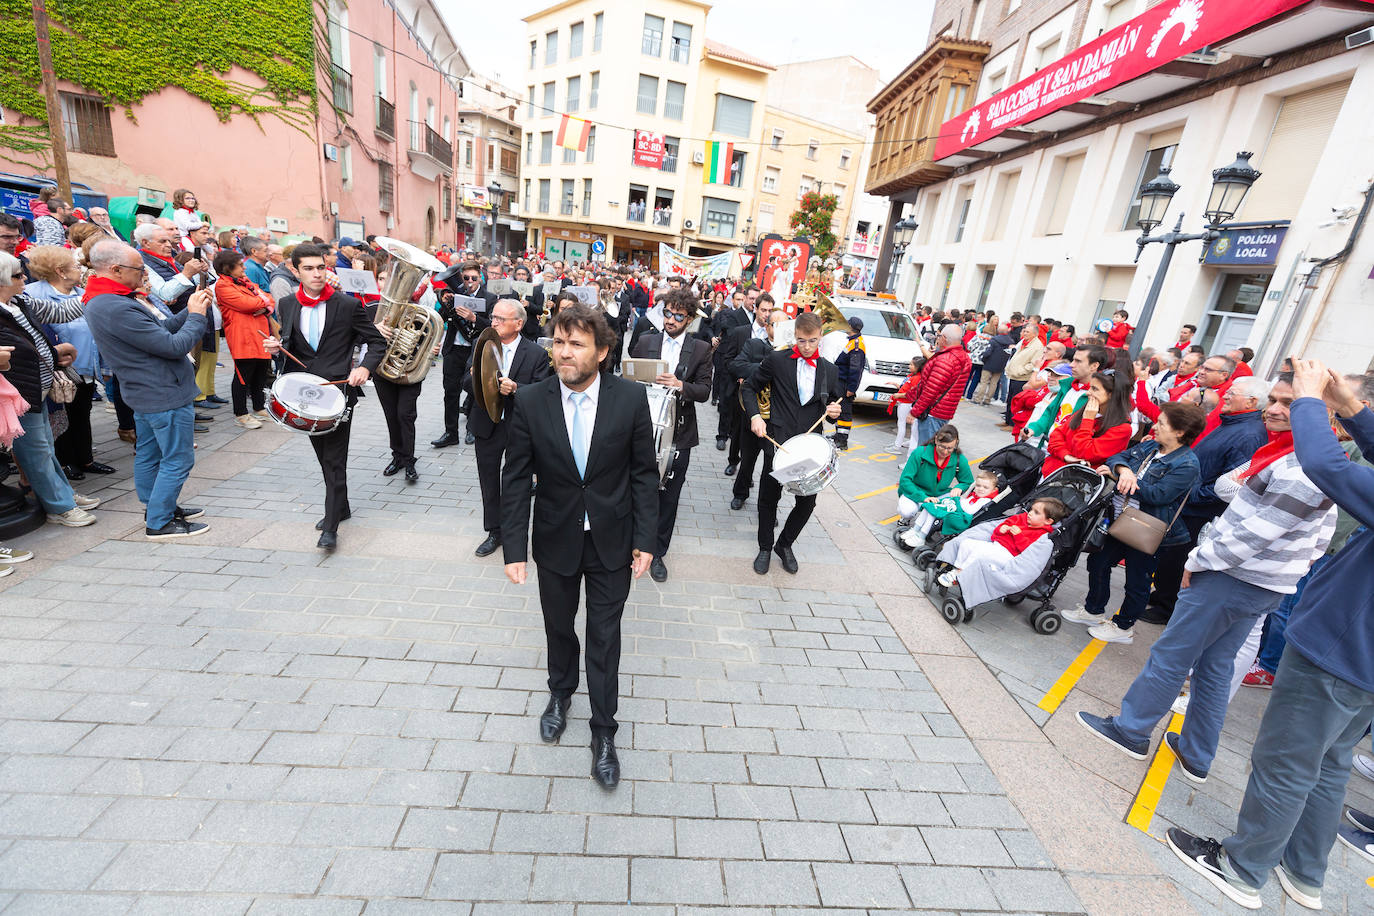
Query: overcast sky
(881, 33)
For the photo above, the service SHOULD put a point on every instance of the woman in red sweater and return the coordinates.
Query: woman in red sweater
(1099, 428)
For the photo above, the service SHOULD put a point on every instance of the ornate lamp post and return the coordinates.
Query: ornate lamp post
(902, 233)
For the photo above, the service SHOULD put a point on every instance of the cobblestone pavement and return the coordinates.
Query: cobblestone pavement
(240, 724)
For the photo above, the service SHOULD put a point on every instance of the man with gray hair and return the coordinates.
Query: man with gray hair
(255, 262)
(150, 354)
(169, 284)
(942, 384)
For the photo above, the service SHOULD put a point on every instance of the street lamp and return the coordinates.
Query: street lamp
(1229, 187)
(903, 231)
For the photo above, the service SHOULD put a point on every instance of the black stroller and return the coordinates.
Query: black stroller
(1017, 464)
(1087, 495)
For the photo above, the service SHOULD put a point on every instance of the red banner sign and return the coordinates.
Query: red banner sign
(1157, 36)
(648, 149)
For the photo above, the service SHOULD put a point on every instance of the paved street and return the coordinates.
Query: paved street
(240, 724)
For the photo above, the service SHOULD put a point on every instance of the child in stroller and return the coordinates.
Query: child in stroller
(954, 511)
(1018, 467)
(1040, 568)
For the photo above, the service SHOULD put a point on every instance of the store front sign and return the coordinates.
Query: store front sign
(1248, 247)
(1161, 34)
(649, 149)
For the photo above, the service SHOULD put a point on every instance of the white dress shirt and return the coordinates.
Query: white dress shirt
(760, 331)
(588, 407)
(671, 351)
(806, 380)
(508, 355)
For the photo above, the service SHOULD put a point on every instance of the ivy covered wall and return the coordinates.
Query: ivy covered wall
(126, 50)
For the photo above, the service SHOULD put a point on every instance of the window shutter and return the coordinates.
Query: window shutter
(1040, 279)
(1117, 284)
(1290, 157)
(1057, 211)
(734, 116)
(1163, 138)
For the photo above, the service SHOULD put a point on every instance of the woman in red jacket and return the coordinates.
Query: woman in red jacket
(1099, 428)
(244, 309)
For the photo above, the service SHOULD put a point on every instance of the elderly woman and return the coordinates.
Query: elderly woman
(58, 281)
(245, 308)
(32, 363)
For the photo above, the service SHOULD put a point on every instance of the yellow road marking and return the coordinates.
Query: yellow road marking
(888, 521)
(1051, 700)
(882, 456)
(877, 492)
(1143, 808)
(874, 423)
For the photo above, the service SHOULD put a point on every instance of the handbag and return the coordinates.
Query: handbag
(1141, 530)
(63, 390)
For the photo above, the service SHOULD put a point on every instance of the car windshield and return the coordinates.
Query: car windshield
(879, 323)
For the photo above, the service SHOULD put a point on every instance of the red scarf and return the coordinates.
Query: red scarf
(939, 465)
(810, 360)
(1279, 444)
(171, 262)
(100, 286)
(307, 301)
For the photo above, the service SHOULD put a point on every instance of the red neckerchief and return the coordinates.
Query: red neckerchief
(939, 467)
(100, 286)
(1279, 444)
(1079, 386)
(171, 262)
(809, 360)
(306, 300)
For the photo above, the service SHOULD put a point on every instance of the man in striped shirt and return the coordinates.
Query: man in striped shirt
(1277, 524)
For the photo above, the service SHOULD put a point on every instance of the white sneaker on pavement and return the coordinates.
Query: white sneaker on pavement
(1110, 632)
(13, 555)
(1364, 765)
(1080, 614)
(85, 502)
(73, 518)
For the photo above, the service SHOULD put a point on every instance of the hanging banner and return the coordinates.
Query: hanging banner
(648, 149)
(715, 267)
(1161, 34)
(782, 265)
(475, 197)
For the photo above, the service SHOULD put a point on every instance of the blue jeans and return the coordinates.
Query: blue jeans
(1140, 567)
(927, 428)
(166, 454)
(1299, 767)
(37, 458)
(1210, 622)
(1271, 648)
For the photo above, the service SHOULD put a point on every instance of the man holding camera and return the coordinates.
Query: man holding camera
(462, 325)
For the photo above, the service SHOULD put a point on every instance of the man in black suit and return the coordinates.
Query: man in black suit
(803, 387)
(462, 325)
(742, 367)
(689, 360)
(588, 437)
(723, 322)
(320, 326)
(523, 362)
(755, 329)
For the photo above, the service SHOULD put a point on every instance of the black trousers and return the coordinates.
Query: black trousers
(845, 419)
(720, 377)
(489, 452)
(399, 407)
(749, 445)
(1169, 572)
(770, 491)
(331, 450)
(606, 592)
(250, 378)
(1013, 389)
(455, 367)
(668, 499)
(729, 412)
(124, 414)
(73, 447)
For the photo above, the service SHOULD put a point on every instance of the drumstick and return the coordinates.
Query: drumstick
(342, 381)
(813, 425)
(288, 355)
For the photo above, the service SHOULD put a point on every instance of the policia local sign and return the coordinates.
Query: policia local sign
(1251, 247)
(1154, 38)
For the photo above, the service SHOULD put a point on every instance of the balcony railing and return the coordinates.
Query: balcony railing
(386, 118)
(423, 139)
(343, 90)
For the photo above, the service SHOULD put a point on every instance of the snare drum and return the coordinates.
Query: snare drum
(814, 452)
(663, 415)
(302, 403)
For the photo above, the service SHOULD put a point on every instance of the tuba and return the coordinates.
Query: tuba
(414, 329)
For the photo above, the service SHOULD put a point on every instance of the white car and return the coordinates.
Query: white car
(890, 340)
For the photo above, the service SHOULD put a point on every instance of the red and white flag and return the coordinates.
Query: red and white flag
(573, 133)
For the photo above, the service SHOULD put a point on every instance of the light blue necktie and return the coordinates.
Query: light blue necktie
(312, 327)
(579, 448)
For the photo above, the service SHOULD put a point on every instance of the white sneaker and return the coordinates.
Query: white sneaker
(5, 570)
(913, 538)
(11, 555)
(893, 449)
(1364, 765)
(248, 421)
(74, 518)
(1110, 632)
(1180, 705)
(85, 502)
(948, 579)
(1080, 615)
(262, 414)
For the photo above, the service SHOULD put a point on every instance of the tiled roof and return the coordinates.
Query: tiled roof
(729, 53)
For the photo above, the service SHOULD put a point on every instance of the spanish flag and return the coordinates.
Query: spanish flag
(718, 157)
(573, 133)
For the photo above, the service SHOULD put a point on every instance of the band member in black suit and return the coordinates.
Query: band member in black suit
(689, 361)
(723, 322)
(803, 387)
(756, 329)
(523, 362)
(742, 367)
(399, 407)
(533, 303)
(320, 326)
(462, 325)
(588, 437)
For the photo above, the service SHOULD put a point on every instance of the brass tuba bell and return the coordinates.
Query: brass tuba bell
(414, 329)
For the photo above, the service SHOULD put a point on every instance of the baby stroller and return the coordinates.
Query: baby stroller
(1087, 495)
(1017, 464)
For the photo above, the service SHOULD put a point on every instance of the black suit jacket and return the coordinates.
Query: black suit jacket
(750, 356)
(346, 324)
(787, 416)
(619, 493)
(694, 369)
(727, 318)
(470, 328)
(529, 364)
(730, 346)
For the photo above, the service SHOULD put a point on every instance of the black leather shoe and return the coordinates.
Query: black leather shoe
(200, 428)
(657, 571)
(328, 540)
(95, 467)
(736, 503)
(1154, 614)
(394, 466)
(842, 444)
(554, 719)
(469, 438)
(730, 470)
(488, 547)
(216, 399)
(720, 443)
(73, 473)
(208, 404)
(762, 561)
(789, 559)
(446, 440)
(319, 526)
(412, 475)
(188, 513)
(204, 418)
(605, 764)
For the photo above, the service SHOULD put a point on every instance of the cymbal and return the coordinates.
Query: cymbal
(486, 374)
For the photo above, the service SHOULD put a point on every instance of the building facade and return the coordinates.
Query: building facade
(486, 170)
(1030, 202)
(800, 155)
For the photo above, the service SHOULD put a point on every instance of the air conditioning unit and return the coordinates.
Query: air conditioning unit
(698, 158)
(1359, 39)
(688, 224)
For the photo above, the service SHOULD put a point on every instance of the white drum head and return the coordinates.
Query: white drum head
(307, 396)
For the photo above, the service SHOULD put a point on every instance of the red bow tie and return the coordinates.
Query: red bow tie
(810, 360)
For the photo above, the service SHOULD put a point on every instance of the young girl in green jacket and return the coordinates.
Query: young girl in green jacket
(933, 469)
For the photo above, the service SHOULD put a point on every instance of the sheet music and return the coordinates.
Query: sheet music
(476, 303)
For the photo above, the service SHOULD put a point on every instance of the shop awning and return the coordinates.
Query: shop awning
(1145, 58)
